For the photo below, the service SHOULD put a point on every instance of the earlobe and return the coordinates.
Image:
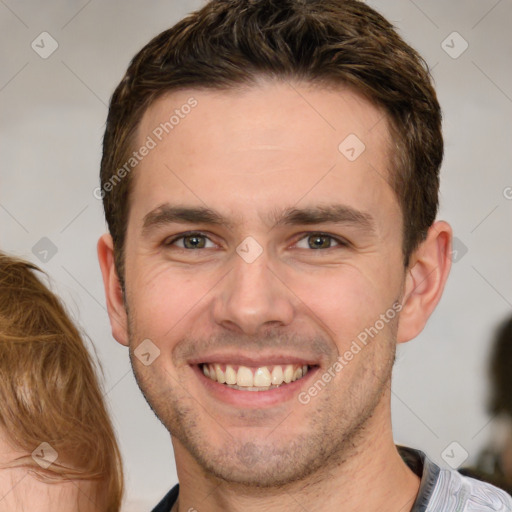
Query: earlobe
(113, 292)
(425, 280)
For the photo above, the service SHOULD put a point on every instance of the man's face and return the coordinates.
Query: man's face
(322, 265)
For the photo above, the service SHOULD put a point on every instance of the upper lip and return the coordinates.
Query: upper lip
(261, 359)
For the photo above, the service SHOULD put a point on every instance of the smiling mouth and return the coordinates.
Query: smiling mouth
(261, 378)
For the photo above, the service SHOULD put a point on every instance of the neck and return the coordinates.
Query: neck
(372, 477)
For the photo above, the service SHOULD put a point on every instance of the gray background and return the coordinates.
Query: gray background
(52, 118)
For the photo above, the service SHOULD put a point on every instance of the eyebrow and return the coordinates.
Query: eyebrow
(168, 214)
(333, 214)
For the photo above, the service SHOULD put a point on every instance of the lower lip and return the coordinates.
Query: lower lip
(254, 399)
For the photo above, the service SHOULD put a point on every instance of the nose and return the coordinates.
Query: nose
(253, 297)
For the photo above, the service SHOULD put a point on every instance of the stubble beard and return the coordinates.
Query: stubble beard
(337, 428)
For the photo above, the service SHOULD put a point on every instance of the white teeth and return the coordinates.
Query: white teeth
(277, 376)
(288, 373)
(262, 377)
(254, 379)
(244, 376)
(230, 375)
(220, 374)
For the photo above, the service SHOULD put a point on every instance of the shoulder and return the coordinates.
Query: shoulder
(456, 492)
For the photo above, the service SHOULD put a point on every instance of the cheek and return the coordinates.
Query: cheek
(346, 300)
(161, 300)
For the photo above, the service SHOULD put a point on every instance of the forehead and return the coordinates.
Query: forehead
(274, 142)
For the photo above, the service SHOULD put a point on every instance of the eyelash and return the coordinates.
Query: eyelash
(340, 241)
(188, 234)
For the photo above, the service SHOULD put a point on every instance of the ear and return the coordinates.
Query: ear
(113, 292)
(425, 279)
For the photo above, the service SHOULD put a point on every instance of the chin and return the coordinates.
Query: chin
(259, 464)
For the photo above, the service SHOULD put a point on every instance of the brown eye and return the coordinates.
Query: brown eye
(319, 241)
(194, 242)
(190, 241)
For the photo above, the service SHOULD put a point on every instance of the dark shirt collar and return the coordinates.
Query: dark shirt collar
(426, 470)
(415, 459)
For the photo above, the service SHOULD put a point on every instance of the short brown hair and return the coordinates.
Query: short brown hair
(49, 389)
(501, 377)
(229, 43)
